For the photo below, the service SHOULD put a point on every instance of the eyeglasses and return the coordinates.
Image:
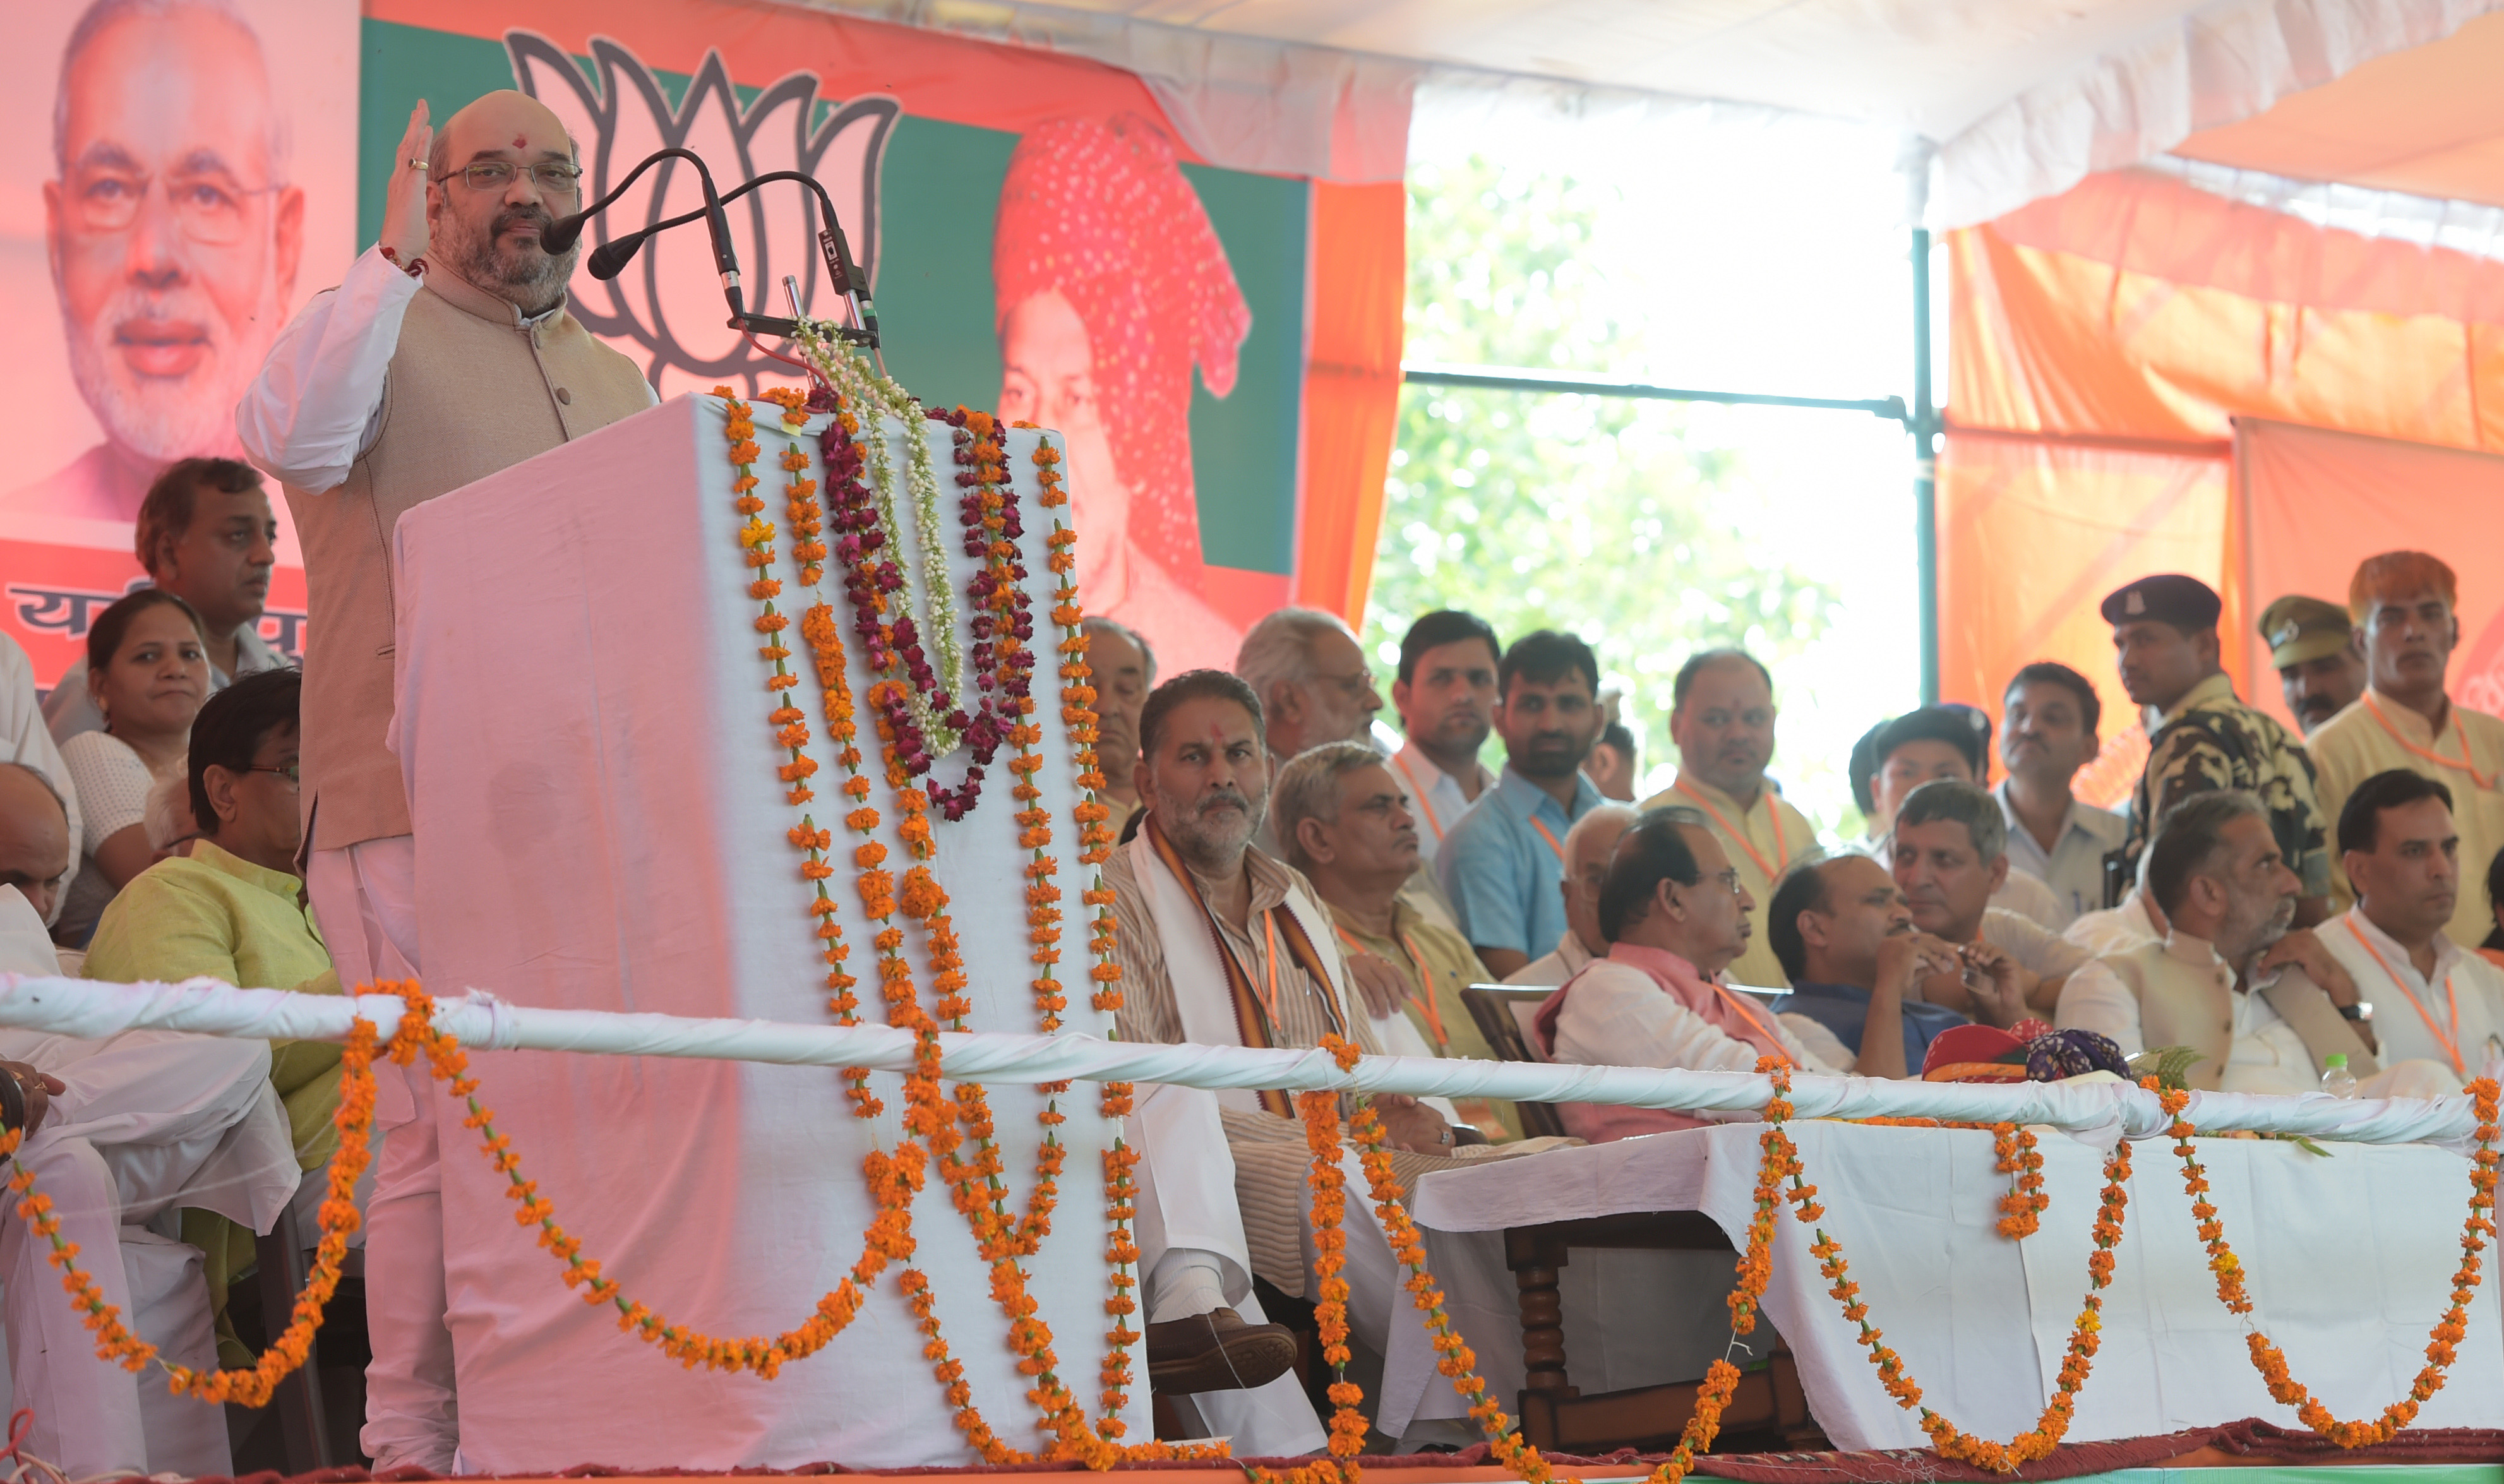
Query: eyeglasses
(292, 771)
(552, 177)
(208, 207)
(1729, 881)
(1354, 687)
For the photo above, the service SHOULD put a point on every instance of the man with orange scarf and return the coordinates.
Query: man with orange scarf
(1112, 285)
(1676, 918)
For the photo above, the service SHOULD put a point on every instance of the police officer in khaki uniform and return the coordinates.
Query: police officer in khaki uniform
(2314, 649)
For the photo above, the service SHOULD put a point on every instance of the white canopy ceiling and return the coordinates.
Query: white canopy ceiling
(2021, 98)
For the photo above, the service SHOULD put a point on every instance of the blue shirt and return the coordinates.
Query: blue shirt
(1502, 873)
(1843, 1009)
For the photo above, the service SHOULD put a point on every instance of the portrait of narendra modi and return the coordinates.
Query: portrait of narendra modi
(175, 231)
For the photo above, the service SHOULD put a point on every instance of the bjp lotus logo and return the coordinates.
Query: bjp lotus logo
(667, 304)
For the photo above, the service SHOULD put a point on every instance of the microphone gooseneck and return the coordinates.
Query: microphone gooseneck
(611, 257)
(567, 230)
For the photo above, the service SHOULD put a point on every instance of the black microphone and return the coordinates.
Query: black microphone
(564, 231)
(610, 259)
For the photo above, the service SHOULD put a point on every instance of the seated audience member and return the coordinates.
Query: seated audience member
(206, 535)
(24, 741)
(2408, 628)
(2492, 949)
(1675, 916)
(1840, 927)
(148, 671)
(2051, 713)
(1126, 670)
(2435, 1001)
(1340, 813)
(1446, 696)
(2313, 646)
(2216, 871)
(1589, 848)
(1501, 863)
(1312, 680)
(1613, 764)
(1721, 716)
(1951, 855)
(1951, 743)
(1860, 770)
(123, 1132)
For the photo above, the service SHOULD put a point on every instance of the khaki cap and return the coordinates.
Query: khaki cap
(2297, 629)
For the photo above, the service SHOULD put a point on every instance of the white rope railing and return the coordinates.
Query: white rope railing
(94, 1010)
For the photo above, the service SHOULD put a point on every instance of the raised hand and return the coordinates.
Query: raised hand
(404, 230)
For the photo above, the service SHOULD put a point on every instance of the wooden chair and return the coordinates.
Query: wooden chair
(1491, 1006)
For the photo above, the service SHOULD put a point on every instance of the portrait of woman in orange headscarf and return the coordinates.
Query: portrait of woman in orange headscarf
(1112, 285)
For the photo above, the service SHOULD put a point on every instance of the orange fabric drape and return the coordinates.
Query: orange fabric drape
(2104, 346)
(1352, 388)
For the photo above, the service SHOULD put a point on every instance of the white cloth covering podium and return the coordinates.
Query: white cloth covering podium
(583, 720)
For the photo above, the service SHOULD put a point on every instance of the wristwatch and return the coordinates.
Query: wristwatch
(2360, 1012)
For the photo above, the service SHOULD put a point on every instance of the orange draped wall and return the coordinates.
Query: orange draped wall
(1352, 388)
(2104, 344)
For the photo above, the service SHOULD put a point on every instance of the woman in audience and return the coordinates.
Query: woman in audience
(235, 910)
(148, 671)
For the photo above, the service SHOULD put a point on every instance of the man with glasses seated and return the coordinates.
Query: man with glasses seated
(445, 355)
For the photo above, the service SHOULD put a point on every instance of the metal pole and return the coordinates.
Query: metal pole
(1517, 379)
(1925, 426)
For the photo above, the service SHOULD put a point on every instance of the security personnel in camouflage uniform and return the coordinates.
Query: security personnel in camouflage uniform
(2201, 737)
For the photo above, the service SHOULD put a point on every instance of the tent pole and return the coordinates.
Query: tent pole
(1924, 424)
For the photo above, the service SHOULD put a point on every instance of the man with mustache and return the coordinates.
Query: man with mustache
(1126, 670)
(2217, 873)
(174, 238)
(206, 535)
(445, 354)
(1347, 829)
(1841, 928)
(1501, 864)
(2313, 646)
(1721, 716)
(1951, 859)
(1445, 697)
(1223, 945)
(2404, 603)
(2201, 735)
(2438, 1002)
(2050, 715)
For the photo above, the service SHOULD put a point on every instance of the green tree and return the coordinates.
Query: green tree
(1618, 519)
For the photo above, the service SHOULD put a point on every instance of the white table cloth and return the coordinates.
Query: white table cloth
(2350, 1260)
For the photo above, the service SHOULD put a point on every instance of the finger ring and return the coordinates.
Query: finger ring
(419, 165)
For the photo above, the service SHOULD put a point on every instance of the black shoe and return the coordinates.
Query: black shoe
(1217, 1352)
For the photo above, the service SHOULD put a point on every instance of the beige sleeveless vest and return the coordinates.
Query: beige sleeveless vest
(2181, 1003)
(472, 390)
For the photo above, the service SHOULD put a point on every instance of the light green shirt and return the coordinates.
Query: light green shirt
(216, 915)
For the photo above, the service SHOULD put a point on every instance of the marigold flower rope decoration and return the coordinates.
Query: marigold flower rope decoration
(2443, 1341)
(2022, 1208)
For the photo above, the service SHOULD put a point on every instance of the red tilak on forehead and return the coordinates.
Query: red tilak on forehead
(519, 143)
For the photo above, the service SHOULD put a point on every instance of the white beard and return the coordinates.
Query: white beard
(163, 418)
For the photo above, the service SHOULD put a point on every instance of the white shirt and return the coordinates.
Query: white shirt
(23, 739)
(1435, 798)
(1617, 1015)
(318, 401)
(2404, 1000)
(2043, 954)
(2265, 1055)
(115, 783)
(1555, 968)
(69, 710)
(2115, 929)
(2074, 869)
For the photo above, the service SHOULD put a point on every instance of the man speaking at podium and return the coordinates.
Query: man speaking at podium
(445, 355)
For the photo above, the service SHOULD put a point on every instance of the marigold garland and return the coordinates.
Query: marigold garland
(2443, 1341)
(2022, 1208)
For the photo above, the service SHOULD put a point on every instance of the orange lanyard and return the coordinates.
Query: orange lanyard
(2458, 730)
(1748, 1012)
(1781, 853)
(1417, 793)
(1425, 977)
(2449, 1041)
(1549, 834)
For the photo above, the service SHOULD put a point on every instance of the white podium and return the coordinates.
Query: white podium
(600, 825)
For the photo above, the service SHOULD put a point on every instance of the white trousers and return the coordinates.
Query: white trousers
(153, 1121)
(365, 897)
(1186, 1203)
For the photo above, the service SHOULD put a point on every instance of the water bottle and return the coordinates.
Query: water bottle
(2336, 1078)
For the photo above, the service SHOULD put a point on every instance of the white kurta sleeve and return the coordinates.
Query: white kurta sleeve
(1617, 1016)
(318, 401)
(2096, 999)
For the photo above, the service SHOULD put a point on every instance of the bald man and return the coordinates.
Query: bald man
(460, 316)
